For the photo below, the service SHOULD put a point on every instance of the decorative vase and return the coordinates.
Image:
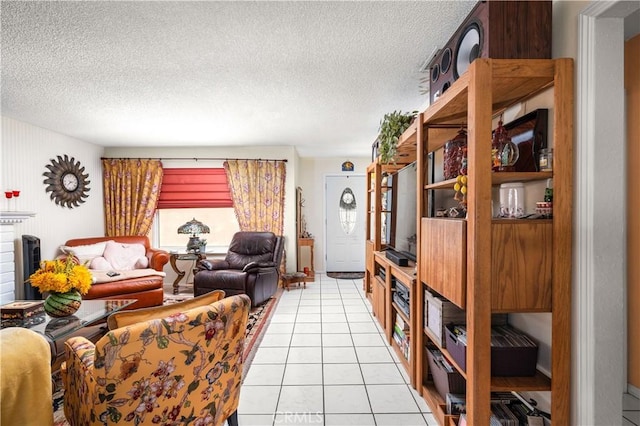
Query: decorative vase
(504, 152)
(60, 305)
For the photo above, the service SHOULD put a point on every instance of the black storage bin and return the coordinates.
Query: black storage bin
(505, 361)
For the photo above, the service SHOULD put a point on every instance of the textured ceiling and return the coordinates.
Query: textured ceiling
(317, 75)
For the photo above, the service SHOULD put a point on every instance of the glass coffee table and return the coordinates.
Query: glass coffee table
(56, 329)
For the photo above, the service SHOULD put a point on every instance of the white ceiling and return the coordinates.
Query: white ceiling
(318, 75)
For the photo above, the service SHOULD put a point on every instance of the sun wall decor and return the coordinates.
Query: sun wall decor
(66, 182)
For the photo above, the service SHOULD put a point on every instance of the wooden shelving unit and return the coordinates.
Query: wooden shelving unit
(375, 191)
(483, 265)
(379, 291)
(404, 275)
(306, 244)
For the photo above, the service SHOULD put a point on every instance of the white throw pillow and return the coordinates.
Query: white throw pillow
(142, 263)
(124, 257)
(87, 252)
(101, 264)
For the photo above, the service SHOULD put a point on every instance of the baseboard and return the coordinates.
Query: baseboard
(633, 390)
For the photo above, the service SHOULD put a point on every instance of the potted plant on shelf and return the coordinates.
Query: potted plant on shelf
(392, 126)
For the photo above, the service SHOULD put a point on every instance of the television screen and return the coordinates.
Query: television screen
(403, 232)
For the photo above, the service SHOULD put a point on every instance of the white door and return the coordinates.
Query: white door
(345, 223)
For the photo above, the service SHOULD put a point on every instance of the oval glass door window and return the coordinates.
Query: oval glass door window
(347, 211)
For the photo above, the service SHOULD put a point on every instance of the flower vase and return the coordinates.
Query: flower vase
(60, 305)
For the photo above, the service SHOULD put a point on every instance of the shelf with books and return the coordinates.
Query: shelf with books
(399, 321)
(486, 265)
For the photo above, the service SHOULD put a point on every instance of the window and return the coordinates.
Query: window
(221, 221)
(201, 193)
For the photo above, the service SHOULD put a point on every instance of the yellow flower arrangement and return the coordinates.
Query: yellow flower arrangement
(62, 276)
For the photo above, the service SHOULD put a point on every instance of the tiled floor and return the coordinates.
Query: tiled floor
(631, 413)
(324, 361)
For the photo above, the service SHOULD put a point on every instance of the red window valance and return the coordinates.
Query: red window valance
(193, 188)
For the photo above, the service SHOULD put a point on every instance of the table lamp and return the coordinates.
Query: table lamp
(194, 228)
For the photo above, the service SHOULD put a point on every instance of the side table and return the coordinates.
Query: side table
(182, 256)
(306, 245)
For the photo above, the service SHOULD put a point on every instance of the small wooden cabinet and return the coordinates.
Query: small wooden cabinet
(305, 257)
(379, 299)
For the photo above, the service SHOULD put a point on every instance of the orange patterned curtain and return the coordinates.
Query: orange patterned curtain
(257, 190)
(131, 192)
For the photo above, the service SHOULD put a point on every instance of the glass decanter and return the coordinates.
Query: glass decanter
(504, 153)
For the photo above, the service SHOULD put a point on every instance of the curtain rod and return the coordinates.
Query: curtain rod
(189, 158)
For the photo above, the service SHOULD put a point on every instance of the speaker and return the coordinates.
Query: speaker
(493, 29)
(31, 263)
(397, 258)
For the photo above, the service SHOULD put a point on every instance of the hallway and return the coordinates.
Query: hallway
(324, 361)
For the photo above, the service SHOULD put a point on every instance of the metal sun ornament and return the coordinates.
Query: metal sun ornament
(67, 182)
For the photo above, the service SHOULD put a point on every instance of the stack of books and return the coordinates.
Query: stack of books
(401, 336)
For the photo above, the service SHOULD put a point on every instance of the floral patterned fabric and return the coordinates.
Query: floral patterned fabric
(257, 190)
(131, 192)
(185, 369)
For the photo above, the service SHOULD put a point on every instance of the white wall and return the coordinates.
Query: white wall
(600, 237)
(26, 150)
(565, 27)
(312, 173)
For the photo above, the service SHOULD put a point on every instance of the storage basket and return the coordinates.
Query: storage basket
(446, 380)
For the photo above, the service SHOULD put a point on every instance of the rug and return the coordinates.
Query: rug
(346, 275)
(259, 318)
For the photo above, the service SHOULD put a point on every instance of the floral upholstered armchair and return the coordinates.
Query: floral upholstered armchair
(185, 368)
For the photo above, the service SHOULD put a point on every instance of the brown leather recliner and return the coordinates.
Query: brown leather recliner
(251, 267)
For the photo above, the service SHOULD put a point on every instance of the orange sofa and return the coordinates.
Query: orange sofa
(147, 289)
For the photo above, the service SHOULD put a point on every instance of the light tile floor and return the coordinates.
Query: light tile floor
(631, 413)
(324, 361)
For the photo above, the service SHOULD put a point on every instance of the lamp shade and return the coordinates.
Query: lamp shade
(194, 227)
